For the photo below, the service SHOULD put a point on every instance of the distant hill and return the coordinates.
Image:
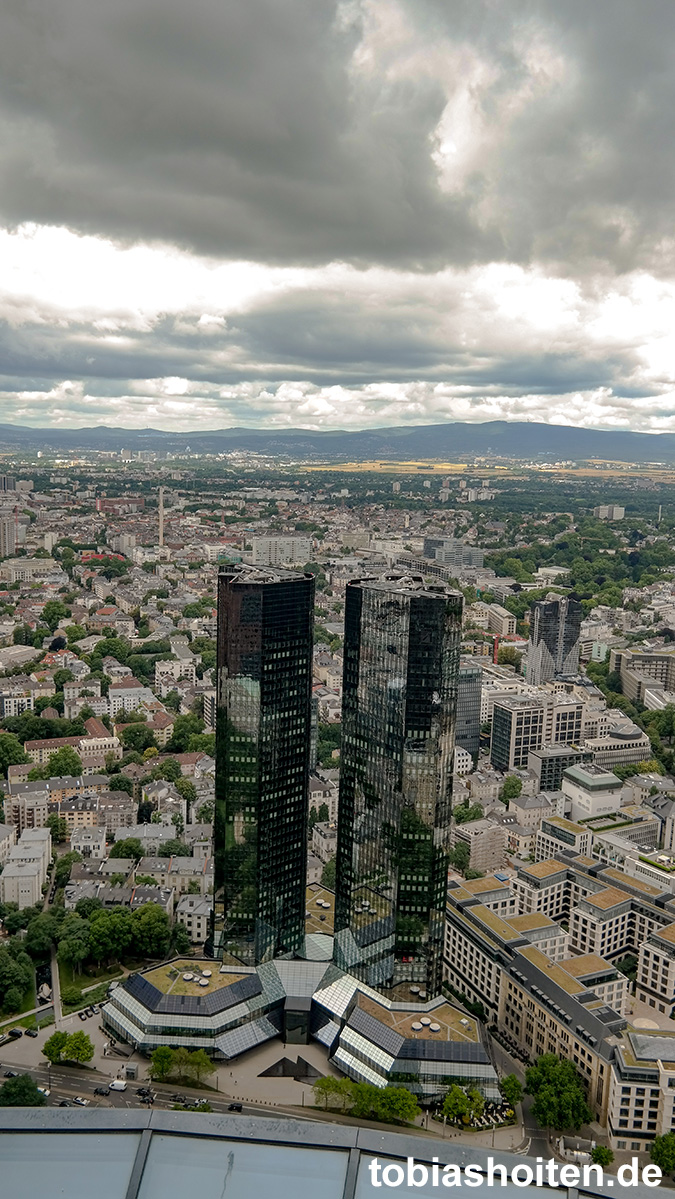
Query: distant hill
(517, 439)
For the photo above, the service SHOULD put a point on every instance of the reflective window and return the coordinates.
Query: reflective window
(222, 1169)
(72, 1166)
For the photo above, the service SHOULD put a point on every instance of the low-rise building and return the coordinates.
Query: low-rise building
(89, 842)
(194, 913)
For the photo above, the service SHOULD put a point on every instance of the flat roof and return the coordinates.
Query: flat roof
(587, 963)
(527, 923)
(666, 934)
(170, 981)
(544, 869)
(609, 898)
(478, 885)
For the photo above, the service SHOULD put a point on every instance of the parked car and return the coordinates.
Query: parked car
(101, 1090)
(82, 1015)
(90, 1011)
(15, 1033)
(234, 1107)
(44, 1091)
(65, 1103)
(95, 1009)
(81, 1102)
(31, 1032)
(11, 1073)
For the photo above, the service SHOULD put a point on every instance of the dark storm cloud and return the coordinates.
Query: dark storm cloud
(304, 131)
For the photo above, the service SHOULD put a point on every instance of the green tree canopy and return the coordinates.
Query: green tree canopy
(21, 1091)
(662, 1152)
(559, 1095)
(130, 847)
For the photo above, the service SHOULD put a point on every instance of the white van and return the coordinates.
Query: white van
(117, 1084)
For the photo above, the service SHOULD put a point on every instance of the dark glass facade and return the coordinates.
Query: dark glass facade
(553, 649)
(469, 688)
(263, 733)
(401, 663)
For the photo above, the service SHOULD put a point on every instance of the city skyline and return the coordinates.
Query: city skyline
(360, 214)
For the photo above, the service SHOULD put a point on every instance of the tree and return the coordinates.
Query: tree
(74, 940)
(120, 782)
(53, 613)
(87, 906)
(11, 752)
(58, 826)
(64, 866)
(200, 1064)
(511, 1089)
(324, 1089)
(41, 934)
(151, 931)
(161, 1062)
(63, 676)
(512, 787)
(64, 761)
(602, 1156)
(456, 1104)
(21, 1091)
(206, 812)
(78, 1048)
(460, 856)
(130, 847)
(170, 770)
(173, 848)
(662, 1152)
(559, 1096)
(54, 1046)
(186, 790)
(328, 874)
(180, 940)
(138, 737)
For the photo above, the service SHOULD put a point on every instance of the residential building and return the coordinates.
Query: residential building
(401, 655)
(89, 842)
(554, 638)
(194, 913)
(280, 551)
(7, 841)
(324, 841)
(609, 512)
(21, 883)
(264, 725)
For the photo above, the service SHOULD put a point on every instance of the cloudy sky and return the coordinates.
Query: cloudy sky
(337, 213)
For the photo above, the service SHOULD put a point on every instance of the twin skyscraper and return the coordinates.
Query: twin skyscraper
(401, 667)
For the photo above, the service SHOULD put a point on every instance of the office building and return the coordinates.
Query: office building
(401, 655)
(7, 536)
(262, 760)
(550, 762)
(518, 726)
(450, 551)
(469, 694)
(553, 649)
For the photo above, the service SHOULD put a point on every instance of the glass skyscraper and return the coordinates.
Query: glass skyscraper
(469, 692)
(553, 648)
(263, 733)
(401, 663)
